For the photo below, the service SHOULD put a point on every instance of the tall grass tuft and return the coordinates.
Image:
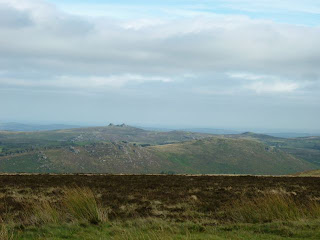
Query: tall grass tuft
(81, 205)
(272, 207)
(45, 212)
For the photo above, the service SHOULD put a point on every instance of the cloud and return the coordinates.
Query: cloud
(273, 87)
(108, 81)
(217, 69)
(13, 18)
(82, 82)
(247, 76)
(265, 84)
(43, 46)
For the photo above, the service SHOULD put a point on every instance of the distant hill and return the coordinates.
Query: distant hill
(127, 149)
(206, 156)
(307, 148)
(222, 155)
(211, 131)
(313, 173)
(20, 127)
(252, 135)
(22, 142)
(111, 133)
(292, 135)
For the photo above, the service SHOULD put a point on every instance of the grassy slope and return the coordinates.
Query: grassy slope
(30, 162)
(93, 158)
(222, 155)
(105, 158)
(313, 173)
(307, 148)
(206, 156)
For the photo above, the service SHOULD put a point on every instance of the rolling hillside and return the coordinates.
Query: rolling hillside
(307, 148)
(206, 156)
(222, 155)
(111, 133)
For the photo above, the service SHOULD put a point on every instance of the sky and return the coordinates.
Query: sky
(233, 64)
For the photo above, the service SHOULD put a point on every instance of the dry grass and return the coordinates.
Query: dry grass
(271, 207)
(81, 205)
(45, 212)
(77, 205)
(151, 229)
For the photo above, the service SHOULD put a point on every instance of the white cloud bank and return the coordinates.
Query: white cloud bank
(41, 46)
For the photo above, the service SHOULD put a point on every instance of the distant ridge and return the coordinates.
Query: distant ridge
(20, 127)
(257, 135)
(211, 131)
(214, 155)
(125, 149)
(109, 133)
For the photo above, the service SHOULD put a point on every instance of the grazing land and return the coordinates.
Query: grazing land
(159, 207)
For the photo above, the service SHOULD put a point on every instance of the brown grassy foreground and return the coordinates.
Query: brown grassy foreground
(157, 206)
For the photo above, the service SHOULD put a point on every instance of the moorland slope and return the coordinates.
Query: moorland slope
(214, 155)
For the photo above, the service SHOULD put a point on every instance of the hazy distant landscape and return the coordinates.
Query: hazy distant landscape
(124, 182)
(126, 149)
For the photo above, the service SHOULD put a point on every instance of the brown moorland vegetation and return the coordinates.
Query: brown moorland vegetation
(164, 196)
(157, 206)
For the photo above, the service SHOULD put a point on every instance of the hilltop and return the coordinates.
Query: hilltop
(111, 133)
